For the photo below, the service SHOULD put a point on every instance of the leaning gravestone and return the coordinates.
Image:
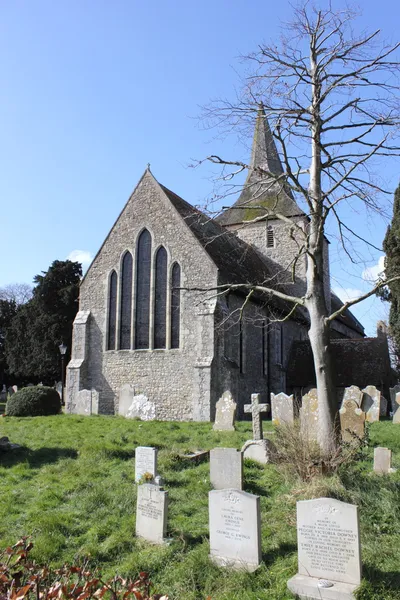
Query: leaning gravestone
(383, 461)
(329, 553)
(226, 468)
(352, 421)
(396, 411)
(282, 408)
(235, 529)
(309, 415)
(255, 408)
(371, 403)
(353, 393)
(145, 461)
(225, 413)
(151, 513)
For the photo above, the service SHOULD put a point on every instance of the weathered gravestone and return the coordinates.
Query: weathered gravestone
(132, 405)
(225, 413)
(151, 513)
(59, 388)
(396, 412)
(226, 468)
(86, 403)
(371, 403)
(352, 421)
(309, 414)
(145, 461)
(393, 391)
(383, 461)
(282, 408)
(3, 394)
(15, 388)
(235, 529)
(255, 408)
(353, 393)
(262, 451)
(329, 553)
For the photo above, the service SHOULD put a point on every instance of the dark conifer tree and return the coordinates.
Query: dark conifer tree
(391, 246)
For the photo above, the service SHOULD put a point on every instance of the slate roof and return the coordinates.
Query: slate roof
(347, 317)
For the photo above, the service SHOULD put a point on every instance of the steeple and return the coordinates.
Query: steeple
(261, 195)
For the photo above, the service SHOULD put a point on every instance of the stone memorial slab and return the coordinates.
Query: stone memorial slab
(383, 407)
(262, 451)
(151, 513)
(255, 408)
(393, 391)
(309, 414)
(86, 403)
(145, 461)
(371, 404)
(383, 461)
(235, 529)
(226, 468)
(15, 388)
(283, 408)
(225, 411)
(329, 554)
(352, 421)
(353, 393)
(396, 412)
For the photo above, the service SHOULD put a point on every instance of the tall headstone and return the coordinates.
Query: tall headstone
(145, 461)
(352, 421)
(396, 412)
(235, 529)
(309, 414)
(86, 403)
(393, 391)
(226, 468)
(371, 404)
(151, 513)
(225, 411)
(282, 408)
(255, 408)
(383, 461)
(353, 393)
(329, 552)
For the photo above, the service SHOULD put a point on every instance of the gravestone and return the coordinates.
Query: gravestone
(393, 391)
(309, 414)
(15, 388)
(396, 412)
(59, 388)
(132, 405)
(282, 408)
(86, 403)
(235, 529)
(151, 513)
(3, 394)
(329, 554)
(383, 461)
(255, 408)
(225, 411)
(352, 421)
(353, 393)
(226, 468)
(371, 404)
(262, 451)
(10, 391)
(383, 407)
(145, 461)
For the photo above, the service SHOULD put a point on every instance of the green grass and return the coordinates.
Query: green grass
(71, 487)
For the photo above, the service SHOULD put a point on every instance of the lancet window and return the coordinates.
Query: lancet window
(112, 311)
(160, 298)
(126, 302)
(143, 277)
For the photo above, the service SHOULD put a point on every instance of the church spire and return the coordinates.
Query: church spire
(264, 153)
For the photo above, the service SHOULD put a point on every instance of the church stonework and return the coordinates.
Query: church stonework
(149, 322)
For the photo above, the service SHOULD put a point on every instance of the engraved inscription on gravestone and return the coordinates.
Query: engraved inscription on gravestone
(145, 461)
(328, 540)
(151, 513)
(235, 539)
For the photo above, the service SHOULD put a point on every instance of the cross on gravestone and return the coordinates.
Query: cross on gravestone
(255, 408)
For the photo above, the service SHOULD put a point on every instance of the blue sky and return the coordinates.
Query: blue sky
(92, 91)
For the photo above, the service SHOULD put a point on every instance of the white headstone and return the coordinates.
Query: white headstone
(393, 391)
(225, 410)
(383, 461)
(396, 411)
(145, 461)
(226, 468)
(282, 408)
(371, 404)
(235, 529)
(86, 403)
(328, 541)
(262, 451)
(151, 513)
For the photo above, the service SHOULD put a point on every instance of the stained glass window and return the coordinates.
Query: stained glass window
(126, 303)
(160, 299)
(143, 274)
(112, 311)
(175, 305)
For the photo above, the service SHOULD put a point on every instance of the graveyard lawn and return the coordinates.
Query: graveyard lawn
(72, 488)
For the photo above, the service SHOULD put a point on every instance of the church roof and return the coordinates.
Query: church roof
(347, 317)
(261, 195)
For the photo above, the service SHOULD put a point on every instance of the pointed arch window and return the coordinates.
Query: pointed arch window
(175, 305)
(126, 302)
(160, 298)
(270, 237)
(112, 311)
(143, 270)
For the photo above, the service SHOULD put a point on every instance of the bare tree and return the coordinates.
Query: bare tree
(331, 99)
(20, 293)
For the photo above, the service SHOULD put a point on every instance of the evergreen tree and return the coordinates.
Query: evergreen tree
(8, 310)
(391, 246)
(44, 322)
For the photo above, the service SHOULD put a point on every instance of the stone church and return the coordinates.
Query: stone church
(164, 328)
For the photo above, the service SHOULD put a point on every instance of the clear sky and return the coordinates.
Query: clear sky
(93, 90)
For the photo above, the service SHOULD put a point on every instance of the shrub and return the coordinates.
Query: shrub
(34, 402)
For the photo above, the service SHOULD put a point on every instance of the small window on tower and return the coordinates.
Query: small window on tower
(270, 237)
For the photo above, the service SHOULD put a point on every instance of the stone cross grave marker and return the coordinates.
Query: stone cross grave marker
(383, 461)
(309, 414)
(145, 461)
(151, 513)
(329, 554)
(226, 468)
(235, 529)
(352, 421)
(225, 413)
(282, 407)
(255, 408)
(371, 403)
(396, 411)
